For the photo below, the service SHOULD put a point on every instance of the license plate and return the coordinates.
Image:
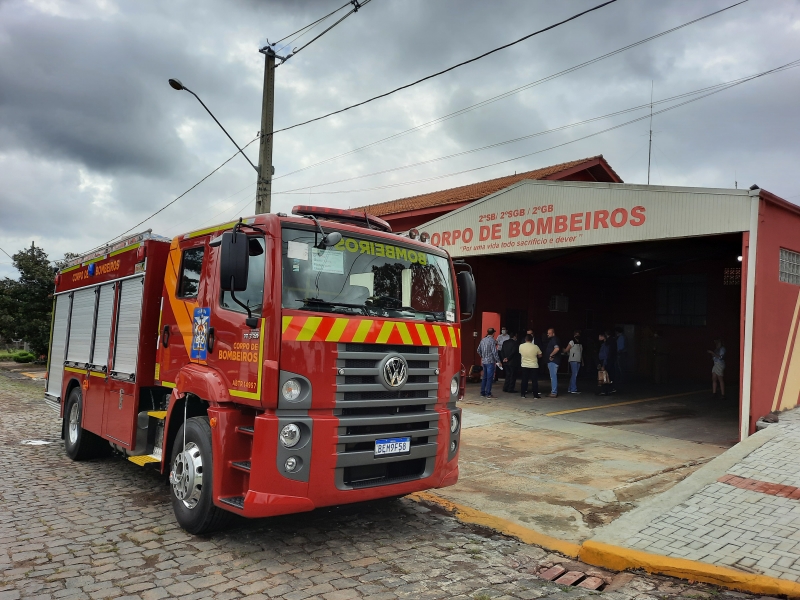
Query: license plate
(392, 446)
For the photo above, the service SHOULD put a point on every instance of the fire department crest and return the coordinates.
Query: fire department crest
(200, 333)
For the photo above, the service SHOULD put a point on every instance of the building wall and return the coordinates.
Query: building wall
(776, 339)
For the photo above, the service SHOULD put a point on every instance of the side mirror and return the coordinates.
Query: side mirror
(466, 293)
(330, 239)
(234, 261)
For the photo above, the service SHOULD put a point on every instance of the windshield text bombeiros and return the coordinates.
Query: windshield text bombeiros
(382, 250)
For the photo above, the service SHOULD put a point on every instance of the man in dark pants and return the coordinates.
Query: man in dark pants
(511, 359)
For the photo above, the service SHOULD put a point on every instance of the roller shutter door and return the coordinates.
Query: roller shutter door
(59, 342)
(102, 336)
(80, 326)
(129, 317)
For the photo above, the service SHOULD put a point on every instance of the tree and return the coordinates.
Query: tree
(26, 303)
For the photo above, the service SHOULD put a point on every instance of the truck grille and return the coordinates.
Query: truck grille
(368, 411)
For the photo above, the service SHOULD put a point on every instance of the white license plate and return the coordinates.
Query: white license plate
(392, 446)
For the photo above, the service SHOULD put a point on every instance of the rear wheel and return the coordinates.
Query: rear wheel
(79, 443)
(190, 479)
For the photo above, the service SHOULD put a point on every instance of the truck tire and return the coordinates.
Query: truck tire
(79, 444)
(191, 469)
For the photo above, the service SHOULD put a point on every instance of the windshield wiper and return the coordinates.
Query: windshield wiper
(320, 301)
(428, 313)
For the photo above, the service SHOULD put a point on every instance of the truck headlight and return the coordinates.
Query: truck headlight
(454, 386)
(290, 435)
(454, 422)
(291, 390)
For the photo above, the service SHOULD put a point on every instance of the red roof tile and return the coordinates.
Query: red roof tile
(474, 191)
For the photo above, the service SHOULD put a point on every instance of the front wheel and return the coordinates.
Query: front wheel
(190, 479)
(79, 444)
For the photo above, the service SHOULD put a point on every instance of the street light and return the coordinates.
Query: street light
(175, 84)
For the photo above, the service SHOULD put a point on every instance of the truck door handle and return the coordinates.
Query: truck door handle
(210, 339)
(165, 336)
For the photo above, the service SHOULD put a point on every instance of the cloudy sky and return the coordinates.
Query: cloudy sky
(93, 139)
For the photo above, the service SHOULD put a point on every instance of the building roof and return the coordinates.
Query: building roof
(474, 191)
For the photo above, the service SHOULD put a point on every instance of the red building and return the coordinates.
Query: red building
(572, 247)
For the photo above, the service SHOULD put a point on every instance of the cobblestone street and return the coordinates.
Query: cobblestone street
(105, 529)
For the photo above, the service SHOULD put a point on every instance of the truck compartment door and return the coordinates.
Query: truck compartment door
(81, 326)
(58, 345)
(129, 315)
(102, 336)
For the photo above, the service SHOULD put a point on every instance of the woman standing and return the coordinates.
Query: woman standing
(718, 370)
(574, 351)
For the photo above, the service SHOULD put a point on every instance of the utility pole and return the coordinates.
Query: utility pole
(650, 146)
(265, 170)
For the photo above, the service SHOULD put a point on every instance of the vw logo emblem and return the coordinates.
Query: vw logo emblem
(395, 371)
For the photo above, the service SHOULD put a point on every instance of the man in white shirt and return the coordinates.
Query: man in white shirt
(530, 354)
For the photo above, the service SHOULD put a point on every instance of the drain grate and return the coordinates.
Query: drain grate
(558, 574)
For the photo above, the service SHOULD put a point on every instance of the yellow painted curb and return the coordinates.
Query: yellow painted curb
(476, 517)
(621, 559)
(617, 558)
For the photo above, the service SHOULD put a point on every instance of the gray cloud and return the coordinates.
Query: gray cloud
(92, 139)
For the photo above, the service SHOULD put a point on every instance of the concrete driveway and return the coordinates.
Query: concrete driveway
(569, 465)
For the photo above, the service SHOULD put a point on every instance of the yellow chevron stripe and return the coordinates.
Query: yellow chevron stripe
(386, 331)
(452, 334)
(362, 331)
(402, 328)
(437, 331)
(286, 322)
(309, 329)
(335, 334)
(423, 334)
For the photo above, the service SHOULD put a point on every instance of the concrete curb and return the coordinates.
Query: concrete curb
(504, 526)
(617, 558)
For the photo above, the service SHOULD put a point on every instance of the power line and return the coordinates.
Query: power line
(314, 23)
(512, 92)
(518, 139)
(790, 65)
(448, 69)
(356, 6)
(7, 254)
(168, 204)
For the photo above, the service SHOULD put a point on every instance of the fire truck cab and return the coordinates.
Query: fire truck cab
(268, 366)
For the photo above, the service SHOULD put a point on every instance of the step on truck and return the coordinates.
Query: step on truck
(269, 366)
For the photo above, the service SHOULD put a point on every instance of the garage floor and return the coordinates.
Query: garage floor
(566, 466)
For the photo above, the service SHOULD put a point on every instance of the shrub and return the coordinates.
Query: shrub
(24, 357)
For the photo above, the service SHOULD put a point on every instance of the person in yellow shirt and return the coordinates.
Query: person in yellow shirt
(530, 354)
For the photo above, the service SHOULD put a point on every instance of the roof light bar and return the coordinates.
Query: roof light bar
(351, 217)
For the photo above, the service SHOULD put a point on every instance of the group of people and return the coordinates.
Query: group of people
(521, 356)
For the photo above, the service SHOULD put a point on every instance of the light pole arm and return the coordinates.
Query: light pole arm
(223, 129)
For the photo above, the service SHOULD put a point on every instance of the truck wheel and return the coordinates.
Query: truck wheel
(190, 479)
(78, 443)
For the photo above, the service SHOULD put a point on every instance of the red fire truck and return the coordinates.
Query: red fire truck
(269, 366)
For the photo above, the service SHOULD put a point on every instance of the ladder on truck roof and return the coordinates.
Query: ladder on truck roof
(102, 251)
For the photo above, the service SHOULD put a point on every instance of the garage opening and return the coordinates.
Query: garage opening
(671, 299)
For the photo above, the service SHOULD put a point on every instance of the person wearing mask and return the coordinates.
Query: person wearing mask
(501, 339)
(718, 370)
(607, 359)
(574, 352)
(553, 353)
(487, 350)
(511, 360)
(529, 365)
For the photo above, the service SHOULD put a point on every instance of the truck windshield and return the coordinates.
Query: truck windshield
(366, 276)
